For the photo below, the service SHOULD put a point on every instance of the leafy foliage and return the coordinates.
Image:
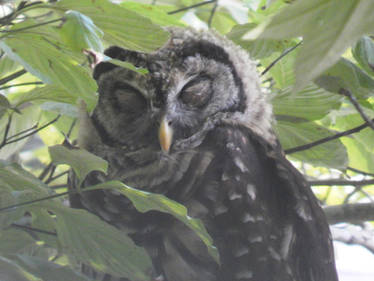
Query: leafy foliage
(46, 52)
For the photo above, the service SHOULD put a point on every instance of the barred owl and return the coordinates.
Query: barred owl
(198, 129)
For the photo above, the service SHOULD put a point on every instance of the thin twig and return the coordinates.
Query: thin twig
(71, 128)
(31, 26)
(12, 76)
(354, 102)
(9, 208)
(52, 178)
(210, 20)
(360, 172)
(23, 132)
(6, 132)
(33, 229)
(45, 171)
(21, 84)
(33, 132)
(191, 7)
(327, 139)
(57, 186)
(341, 182)
(286, 52)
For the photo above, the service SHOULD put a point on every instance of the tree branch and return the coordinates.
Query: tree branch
(191, 7)
(342, 182)
(353, 235)
(286, 52)
(349, 213)
(12, 76)
(327, 139)
(354, 102)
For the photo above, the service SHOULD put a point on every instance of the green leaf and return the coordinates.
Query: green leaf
(28, 118)
(90, 240)
(127, 65)
(7, 198)
(79, 32)
(328, 28)
(346, 75)
(41, 219)
(7, 65)
(312, 103)
(14, 241)
(82, 161)
(260, 48)
(157, 14)
(54, 66)
(121, 27)
(10, 271)
(222, 20)
(331, 154)
(47, 270)
(363, 52)
(46, 93)
(146, 201)
(19, 179)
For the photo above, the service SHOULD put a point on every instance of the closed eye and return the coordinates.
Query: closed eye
(197, 92)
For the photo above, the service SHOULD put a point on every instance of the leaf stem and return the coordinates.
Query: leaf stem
(191, 7)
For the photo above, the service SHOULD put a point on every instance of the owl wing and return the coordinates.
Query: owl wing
(266, 222)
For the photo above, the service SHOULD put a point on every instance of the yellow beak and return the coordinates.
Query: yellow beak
(165, 135)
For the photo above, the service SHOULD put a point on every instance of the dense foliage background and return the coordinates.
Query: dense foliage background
(317, 63)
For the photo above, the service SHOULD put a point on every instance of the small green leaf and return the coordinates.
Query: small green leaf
(7, 65)
(127, 65)
(331, 154)
(363, 52)
(346, 75)
(79, 32)
(146, 201)
(82, 161)
(90, 240)
(121, 27)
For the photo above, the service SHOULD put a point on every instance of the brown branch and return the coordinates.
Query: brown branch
(33, 229)
(327, 139)
(22, 84)
(349, 213)
(341, 182)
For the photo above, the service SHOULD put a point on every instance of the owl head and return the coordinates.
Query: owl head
(196, 82)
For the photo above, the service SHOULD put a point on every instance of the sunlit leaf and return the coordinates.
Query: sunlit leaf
(363, 52)
(328, 28)
(157, 14)
(346, 75)
(312, 103)
(121, 26)
(54, 66)
(331, 154)
(79, 32)
(28, 118)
